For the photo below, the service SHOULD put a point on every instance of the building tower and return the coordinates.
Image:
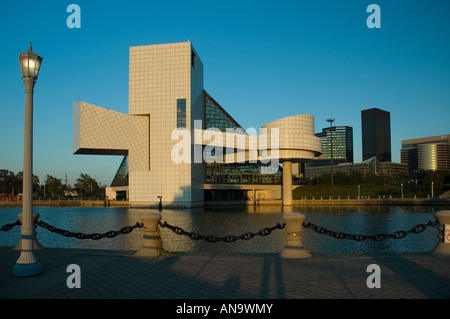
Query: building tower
(376, 134)
(342, 143)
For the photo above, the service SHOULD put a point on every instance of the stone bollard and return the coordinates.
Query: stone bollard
(443, 247)
(36, 244)
(294, 246)
(151, 243)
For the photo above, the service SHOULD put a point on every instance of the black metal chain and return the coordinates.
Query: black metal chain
(226, 239)
(8, 227)
(95, 236)
(377, 237)
(231, 238)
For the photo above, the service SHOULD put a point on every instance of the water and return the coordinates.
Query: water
(224, 221)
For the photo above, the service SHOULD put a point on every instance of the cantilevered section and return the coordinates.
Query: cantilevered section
(100, 131)
(297, 141)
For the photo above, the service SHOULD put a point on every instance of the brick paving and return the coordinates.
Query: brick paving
(120, 275)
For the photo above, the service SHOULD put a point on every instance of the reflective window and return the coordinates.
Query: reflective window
(181, 113)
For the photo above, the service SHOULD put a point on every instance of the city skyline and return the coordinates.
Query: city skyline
(265, 60)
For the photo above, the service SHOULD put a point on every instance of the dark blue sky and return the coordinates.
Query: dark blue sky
(263, 60)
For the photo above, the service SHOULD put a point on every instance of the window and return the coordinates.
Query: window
(193, 59)
(181, 113)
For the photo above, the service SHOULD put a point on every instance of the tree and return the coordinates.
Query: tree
(53, 186)
(86, 186)
(355, 177)
(9, 184)
(435, 177)
(12, 184)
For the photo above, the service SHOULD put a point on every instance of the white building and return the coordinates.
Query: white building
(174, 139)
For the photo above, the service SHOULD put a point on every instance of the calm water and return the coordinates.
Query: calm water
(233, 221)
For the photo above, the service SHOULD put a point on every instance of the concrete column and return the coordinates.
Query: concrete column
(151, 243)
(294, 245)
(443, 247)
(287, 183)
(27, 264)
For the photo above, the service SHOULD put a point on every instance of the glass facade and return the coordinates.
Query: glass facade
(434, 156)
(376, 134)
(240, 174)
(216, 116)
(236, 173)
(342, 143)
(427, 153)
(181, 113)
(121, 178)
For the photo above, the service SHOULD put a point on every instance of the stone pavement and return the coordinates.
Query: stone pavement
(120, 275)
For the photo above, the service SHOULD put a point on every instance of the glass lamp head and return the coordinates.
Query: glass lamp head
(30, 63)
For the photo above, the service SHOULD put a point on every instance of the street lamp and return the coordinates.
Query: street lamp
(331, 147)
(432, 189)
(27, 264)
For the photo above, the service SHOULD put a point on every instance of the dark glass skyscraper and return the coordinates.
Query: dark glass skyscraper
(342, 143)
(376, 134)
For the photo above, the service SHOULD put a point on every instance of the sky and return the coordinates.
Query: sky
(263, 60)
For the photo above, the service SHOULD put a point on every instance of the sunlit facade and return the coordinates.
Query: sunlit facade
(427, 153)
(167, 103)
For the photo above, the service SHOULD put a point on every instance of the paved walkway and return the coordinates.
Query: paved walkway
(119, 274)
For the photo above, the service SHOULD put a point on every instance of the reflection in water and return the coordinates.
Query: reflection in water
(234, 220)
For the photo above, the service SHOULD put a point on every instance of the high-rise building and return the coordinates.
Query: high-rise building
(342, 143)
(427, 153)
(376, 134)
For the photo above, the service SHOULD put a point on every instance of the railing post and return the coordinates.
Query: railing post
(151, 243)
(294, 245)
(443, 247)
(36, 244)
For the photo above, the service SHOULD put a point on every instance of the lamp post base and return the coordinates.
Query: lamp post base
(26, 270)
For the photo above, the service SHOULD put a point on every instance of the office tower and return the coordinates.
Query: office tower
(342, 143)
(427, 153)
(376, 134)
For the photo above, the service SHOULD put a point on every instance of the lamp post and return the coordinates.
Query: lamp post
(331, 147)
(432, 189)
(27, 264)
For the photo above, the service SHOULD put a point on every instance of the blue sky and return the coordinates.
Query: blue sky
(263, 60)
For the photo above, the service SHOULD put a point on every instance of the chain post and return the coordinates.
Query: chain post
(294, 244)
(151, 243)
(443, 247)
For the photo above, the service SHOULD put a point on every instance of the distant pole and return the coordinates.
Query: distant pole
(160, 203)
(402, 189)
(331, 147)
(432, 189)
